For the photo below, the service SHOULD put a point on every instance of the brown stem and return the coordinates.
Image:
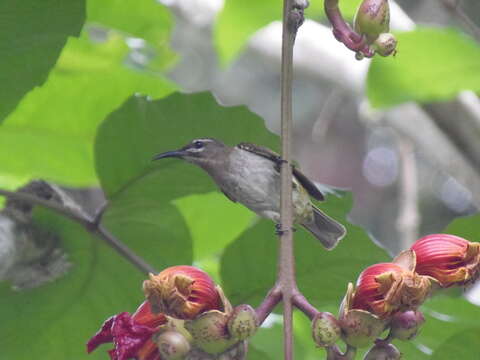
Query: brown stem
(301, 303)
(272, 299)
(343, 32)
(292, 20)
(88, 223)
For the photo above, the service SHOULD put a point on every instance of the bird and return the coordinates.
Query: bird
(250, 175)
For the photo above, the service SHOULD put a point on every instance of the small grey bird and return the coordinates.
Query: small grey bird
(250, 174)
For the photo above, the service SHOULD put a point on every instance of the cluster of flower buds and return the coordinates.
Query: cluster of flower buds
(387, 295)
(372, 22)
(186, 316)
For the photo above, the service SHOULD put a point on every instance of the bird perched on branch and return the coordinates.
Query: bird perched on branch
(250, 174)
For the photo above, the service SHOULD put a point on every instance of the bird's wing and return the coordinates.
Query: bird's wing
(277, 159)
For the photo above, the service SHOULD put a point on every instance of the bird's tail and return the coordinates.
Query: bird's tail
(325, 229)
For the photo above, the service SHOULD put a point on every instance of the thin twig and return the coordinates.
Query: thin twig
(453, 6)
(272, 299)
(292, 20)
(88, 223)
(301, 303)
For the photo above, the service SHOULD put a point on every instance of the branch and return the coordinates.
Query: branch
(301, 303)
(292, 20)
(272, 299)
(87, 222)
(453, 6)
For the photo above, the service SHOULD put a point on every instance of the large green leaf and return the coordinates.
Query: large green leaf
(249, 264)
(51, 132)
(467, 227)
(32, 36)
(465, 345)
(269, 340)
(57, 319)
(229, 219)
(129, 138)
(141, 128)
(431, 65)
(445, 316)
(239, 19)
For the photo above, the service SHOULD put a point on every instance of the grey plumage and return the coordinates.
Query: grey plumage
(250, 174)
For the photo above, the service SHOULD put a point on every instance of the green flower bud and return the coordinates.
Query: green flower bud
(385, 44)
(172, 345)
(210, 332)
(325, 329)
(243, 322)
(372, 19)
(405, 325)
(383, 351)
(360, 328)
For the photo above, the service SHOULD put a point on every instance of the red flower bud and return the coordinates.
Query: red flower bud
(448, 258)
(182, 292)
(130, 334)
(386, 288)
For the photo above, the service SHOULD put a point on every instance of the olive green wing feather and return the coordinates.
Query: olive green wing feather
(277, 159)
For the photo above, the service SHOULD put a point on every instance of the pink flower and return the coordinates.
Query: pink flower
(130, 334)
(449, 259)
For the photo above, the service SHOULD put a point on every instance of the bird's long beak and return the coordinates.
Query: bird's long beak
(176, 153)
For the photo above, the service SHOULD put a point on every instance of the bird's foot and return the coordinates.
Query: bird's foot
(279, 231)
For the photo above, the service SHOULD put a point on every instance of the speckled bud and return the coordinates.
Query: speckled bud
(372, 19)
(325, 329)
(210, 332)
(243, 322)
(405, 325)
(383, 351)
(385, 44)
(172, 345)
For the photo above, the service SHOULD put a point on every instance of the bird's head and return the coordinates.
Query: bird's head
(198, 151)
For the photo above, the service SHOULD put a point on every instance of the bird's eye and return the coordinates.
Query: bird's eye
(198, 144)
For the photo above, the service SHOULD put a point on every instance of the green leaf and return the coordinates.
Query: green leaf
(141, 128)
(269, 340)
(467, 227)
(155, 228)
(239, 19)
(445, 316)
(463, 345)
(248, 265)
(32, 36)
(51, 132)
(201, 211)
(255, 354)
(57, 319)
(431, 65)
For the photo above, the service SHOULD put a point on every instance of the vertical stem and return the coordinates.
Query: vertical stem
(292, 19)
